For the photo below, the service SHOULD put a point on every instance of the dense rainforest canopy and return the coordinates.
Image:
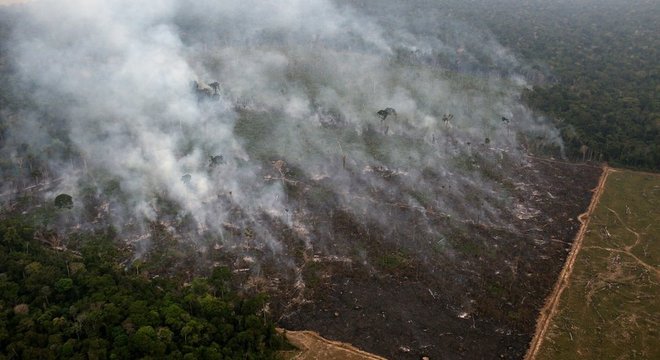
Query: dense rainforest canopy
(595, 70)
(71, 304)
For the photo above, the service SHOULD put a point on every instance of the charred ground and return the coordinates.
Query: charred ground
(480, 300)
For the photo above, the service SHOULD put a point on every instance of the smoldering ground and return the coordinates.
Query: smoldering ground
(293, 128)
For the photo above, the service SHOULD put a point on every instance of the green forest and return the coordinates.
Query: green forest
(595, 70)
(81, 303)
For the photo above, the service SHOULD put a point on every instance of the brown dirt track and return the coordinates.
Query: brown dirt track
(311, 346)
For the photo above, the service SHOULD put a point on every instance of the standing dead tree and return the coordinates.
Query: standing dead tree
(446, 118)
(384, 114)
(215, 86)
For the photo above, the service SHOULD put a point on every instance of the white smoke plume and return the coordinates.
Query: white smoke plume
(299, 81)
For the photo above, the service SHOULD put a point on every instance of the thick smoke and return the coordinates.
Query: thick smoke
(300, 85)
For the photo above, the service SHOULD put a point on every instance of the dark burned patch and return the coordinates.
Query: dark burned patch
(474, 293)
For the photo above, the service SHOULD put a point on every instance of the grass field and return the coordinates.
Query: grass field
(610, 308)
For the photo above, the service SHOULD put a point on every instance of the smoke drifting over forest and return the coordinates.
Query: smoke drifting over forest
(300, 87)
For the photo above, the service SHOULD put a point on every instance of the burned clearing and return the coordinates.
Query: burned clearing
(399, 290)
(480, 299)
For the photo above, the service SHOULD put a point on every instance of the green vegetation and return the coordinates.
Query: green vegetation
(64, 201)
(594, 68)
(609, 309)
(83, 304)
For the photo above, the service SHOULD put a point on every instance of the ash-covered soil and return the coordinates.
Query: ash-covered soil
(405, 294)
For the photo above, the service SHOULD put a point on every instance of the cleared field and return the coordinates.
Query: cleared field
(609, 308)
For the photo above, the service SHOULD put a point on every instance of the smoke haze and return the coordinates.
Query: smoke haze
(300, 85)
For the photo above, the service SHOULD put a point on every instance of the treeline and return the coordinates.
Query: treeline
(84, 305)
(595, 68)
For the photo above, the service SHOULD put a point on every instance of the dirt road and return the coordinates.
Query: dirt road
(550, 307)
(312, 347)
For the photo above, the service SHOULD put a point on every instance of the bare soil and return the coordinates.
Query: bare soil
(311, 346)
